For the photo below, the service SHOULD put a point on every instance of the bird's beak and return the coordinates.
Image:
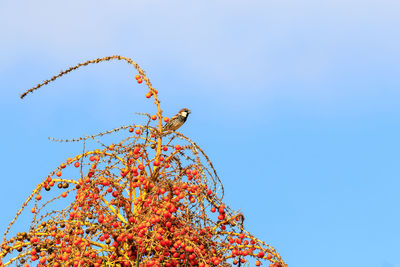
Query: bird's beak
(189, 111)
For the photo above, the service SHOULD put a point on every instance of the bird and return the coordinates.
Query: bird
(177, 120)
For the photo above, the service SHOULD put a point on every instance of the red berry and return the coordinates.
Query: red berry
(138, 77)
(130, 129)
(139, 80)
(154, 117)
(166, 119)
(76, 164)
(137, 131)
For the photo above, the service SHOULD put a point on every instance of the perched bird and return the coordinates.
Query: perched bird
(177, 121)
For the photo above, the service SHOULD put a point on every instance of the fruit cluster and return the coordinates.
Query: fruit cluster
(149, 200)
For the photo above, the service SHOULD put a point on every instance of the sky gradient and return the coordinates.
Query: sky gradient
(295, 102)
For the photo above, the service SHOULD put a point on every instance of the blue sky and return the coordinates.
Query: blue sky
(295, 102)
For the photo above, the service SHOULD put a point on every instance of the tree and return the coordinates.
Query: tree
(151, 199)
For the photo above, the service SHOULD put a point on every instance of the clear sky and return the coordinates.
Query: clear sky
(295, 102)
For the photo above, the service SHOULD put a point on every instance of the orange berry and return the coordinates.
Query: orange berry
(154, 117)
(149, 94)
(136, 150)
(166, 119)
